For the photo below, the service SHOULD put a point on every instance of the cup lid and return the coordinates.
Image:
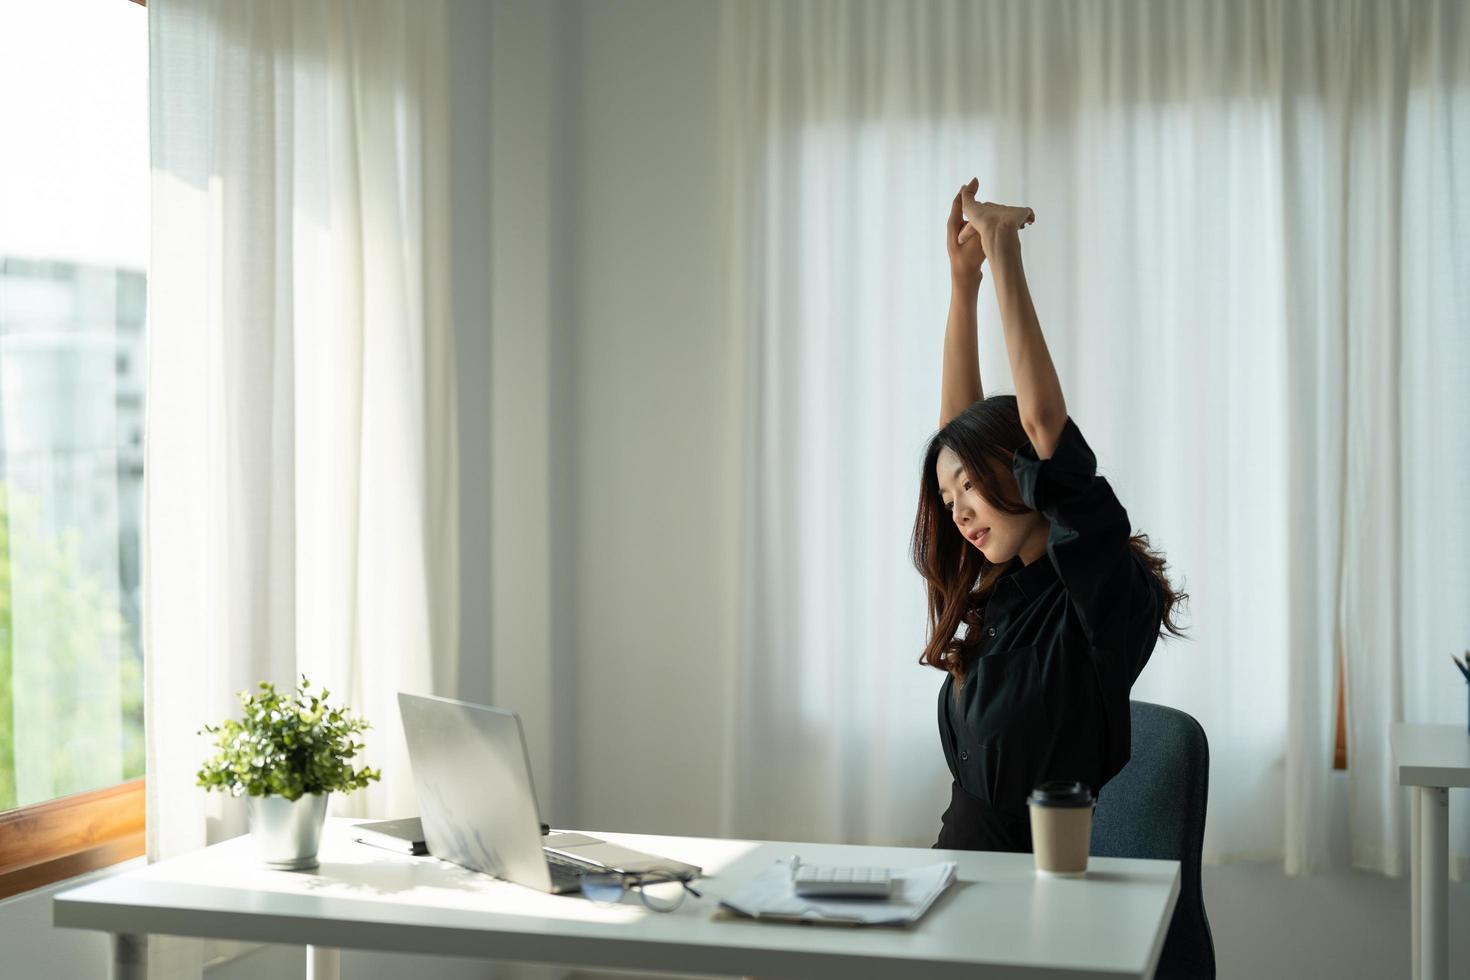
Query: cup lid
(1061, 792)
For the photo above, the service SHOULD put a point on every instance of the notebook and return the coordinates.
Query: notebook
(770, 895)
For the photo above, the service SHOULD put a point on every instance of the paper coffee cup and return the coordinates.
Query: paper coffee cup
(1061, 827)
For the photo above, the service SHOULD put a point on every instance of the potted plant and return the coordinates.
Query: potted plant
(286, 756)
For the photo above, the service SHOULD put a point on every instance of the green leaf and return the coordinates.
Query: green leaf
(287, 747)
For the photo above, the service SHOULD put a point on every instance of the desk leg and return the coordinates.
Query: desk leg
(323, 963)
(129, 956)
(1415, 876)
(1434, 882)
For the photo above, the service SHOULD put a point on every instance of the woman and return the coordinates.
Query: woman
(1018, 538)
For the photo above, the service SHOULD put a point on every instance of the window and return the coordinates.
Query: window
(73, 257)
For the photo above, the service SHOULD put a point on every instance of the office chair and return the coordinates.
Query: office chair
(1155, 808)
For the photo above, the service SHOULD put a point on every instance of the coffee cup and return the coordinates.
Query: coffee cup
(1061, 827)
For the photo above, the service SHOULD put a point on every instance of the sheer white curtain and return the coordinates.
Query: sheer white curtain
(1250, 262)
(301, 499)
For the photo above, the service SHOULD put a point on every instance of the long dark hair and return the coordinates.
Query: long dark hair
(985, 436)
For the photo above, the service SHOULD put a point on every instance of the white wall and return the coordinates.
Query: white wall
(524, 649)
(611, 500)
(32, 948)
(651, 508)
(469, 73)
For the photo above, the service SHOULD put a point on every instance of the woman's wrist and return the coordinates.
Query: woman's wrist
(965, 285)
(1000, 240)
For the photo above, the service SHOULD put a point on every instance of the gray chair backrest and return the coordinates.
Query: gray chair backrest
(1155, 808)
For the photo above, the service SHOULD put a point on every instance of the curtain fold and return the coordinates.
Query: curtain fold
(301, 475)
(1250, 262)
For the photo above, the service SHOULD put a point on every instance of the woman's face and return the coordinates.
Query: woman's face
(998, 535)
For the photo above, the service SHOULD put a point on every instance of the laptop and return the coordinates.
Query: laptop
(472, 776)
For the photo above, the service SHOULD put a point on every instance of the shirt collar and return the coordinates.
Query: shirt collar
(1033, 579)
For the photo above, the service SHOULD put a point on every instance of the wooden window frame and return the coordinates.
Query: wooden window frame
(59, 839)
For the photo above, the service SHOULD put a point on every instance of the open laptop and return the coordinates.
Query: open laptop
(472, 776)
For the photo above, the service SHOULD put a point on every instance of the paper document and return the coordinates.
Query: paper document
(769, 895)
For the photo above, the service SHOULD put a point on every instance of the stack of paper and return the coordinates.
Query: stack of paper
(769, 895)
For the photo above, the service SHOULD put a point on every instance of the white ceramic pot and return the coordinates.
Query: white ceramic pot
(287, 833)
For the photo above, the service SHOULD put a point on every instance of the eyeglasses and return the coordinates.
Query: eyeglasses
(660, 892)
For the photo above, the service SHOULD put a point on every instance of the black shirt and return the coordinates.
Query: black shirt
(1065, 637)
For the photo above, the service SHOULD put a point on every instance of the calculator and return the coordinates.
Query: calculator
(837, 881)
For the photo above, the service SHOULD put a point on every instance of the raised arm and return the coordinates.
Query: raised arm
(1038, 390)
(960, 386)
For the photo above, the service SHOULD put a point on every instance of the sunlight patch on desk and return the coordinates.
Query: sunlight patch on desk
(360, 872)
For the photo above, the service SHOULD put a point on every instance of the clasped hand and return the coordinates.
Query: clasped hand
(972, 225)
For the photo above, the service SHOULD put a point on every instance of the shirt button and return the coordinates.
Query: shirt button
(991, 631)
(964, 757)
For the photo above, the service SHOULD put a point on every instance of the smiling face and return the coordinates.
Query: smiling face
(998, 535)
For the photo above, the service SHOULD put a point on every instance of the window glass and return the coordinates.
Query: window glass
(73, 258)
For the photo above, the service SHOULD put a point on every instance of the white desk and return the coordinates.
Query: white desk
(998, 919)
(1430, 758)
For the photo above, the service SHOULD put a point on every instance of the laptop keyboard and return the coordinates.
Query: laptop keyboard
(565, 871)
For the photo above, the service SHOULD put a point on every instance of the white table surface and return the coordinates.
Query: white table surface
(999, 919)
(1430, 755)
